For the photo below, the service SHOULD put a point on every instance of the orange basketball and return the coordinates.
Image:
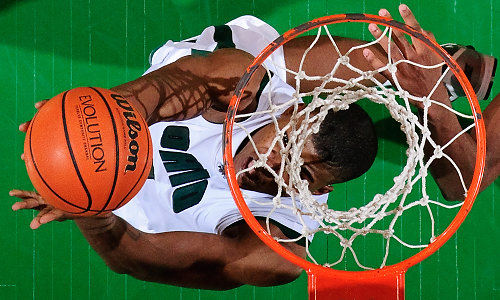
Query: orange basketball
(88, 151)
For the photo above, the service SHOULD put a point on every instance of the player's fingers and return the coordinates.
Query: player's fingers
(408, 17)
(24, 126)
(31, 200)
(27, 204)
(35, 223)
(51, 215)
(384, 42)
(375, 62)
(372, 59)
(39, 104)
(377, 33)
(430, 35)
(398, 36)
(25, 194)
(411, 21)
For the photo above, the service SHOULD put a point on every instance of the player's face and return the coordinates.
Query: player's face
(317, 173)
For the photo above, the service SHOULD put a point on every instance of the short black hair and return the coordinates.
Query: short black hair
(347, 142)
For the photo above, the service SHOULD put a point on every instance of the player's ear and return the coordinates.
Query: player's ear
(323, 190)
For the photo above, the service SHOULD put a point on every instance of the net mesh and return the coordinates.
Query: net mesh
(379, 215)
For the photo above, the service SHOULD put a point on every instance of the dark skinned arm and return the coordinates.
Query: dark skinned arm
(191, 86)
(443, 124)
(189, 259)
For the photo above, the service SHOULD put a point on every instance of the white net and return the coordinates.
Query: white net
(380, 215)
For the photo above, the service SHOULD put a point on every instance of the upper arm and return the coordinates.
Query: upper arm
(195, 85)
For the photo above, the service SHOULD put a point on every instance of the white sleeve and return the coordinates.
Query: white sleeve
(248, 33)
(253, 35)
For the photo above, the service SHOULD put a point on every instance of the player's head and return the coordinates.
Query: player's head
(347, 143)
(343, 149)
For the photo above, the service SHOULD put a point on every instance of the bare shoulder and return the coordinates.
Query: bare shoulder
(232, 56)
(230, 64)
(212, 63)
(223, 70)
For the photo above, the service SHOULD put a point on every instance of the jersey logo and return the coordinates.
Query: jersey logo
(190, 181)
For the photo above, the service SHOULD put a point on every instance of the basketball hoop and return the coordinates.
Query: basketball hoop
(387, 281)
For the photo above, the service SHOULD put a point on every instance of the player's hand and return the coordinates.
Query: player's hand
(24, 126)
(33, 200)
(416, 80)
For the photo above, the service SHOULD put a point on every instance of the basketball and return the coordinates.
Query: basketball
(88, 151)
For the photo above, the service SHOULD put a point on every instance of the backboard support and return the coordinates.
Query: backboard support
(324, 285)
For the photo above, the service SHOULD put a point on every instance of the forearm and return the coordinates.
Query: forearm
(127, 250)
(170, 93)
(189, 259)
(186, 259)
(444, 126)
(112, 238)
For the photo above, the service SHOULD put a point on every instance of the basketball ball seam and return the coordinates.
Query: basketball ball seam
(105, 208)
(143, 170)
(117, 149)
(72, 155)
(40, 175)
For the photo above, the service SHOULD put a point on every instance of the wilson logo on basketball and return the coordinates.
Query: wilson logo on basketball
(94, 138)
(133, 131)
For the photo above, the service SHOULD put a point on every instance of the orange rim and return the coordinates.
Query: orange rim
(472, 192)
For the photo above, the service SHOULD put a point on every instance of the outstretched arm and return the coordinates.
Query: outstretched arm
(189, 259)
(191, 86)
(195, 85)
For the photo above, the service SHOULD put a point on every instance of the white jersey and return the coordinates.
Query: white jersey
(189, 191)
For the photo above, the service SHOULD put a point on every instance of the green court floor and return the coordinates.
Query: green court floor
(48, 46)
